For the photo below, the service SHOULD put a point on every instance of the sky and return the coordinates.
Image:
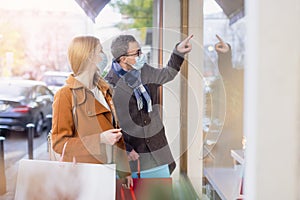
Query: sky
(105, 21)
(67, 5)
(210, 6)
(62, 5)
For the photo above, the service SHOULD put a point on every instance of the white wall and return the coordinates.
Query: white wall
(171, 90)
(172, 94)
(195, 97)
(272, 101)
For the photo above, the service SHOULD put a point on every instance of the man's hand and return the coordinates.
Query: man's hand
(129, 182)
(221, 46)
(110, 136)
(133, 155)
(185, 46)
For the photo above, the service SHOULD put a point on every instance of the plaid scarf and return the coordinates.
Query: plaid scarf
(133, 79)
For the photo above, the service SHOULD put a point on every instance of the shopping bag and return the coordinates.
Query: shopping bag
(147, 188)
(125, 193)
(48, 180)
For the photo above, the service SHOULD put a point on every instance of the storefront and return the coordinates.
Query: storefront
(256, 105)
(233, 129)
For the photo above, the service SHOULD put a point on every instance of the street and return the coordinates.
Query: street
(16, 148)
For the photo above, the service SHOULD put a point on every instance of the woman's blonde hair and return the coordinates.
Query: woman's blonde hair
(80, 50)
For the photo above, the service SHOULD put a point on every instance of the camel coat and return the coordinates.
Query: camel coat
(78, 120)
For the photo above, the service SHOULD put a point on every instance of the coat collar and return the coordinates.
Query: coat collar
(74, 84)
(112, 77)
(80, 90)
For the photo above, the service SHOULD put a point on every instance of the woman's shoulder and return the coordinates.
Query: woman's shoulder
(64, 91)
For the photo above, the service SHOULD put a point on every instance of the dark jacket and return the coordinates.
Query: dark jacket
(144, 132)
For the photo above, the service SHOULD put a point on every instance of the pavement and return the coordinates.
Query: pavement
(11, 173)
(41, 153)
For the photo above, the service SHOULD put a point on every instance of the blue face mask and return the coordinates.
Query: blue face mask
(139, 62)
(102, 64)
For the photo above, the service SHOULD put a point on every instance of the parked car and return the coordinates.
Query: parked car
(23, 102)
(55, 79)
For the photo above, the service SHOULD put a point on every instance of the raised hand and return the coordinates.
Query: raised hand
(110, 136)
(185, 46)
(221, 46)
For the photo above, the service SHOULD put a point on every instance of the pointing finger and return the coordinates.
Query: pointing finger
(219, 38)
(186, 40)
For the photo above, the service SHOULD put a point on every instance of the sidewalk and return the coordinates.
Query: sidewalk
(181, 189)
(39, 153)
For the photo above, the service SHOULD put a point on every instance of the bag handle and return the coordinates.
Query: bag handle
(74, 104)
(63, 153)
(131, 188)
(138, 168)
(131, 193)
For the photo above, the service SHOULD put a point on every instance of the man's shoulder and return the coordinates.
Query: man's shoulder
(111, 77)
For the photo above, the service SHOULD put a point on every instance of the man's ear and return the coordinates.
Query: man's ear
(123, 59)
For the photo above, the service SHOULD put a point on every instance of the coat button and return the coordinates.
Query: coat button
(145, 121)
(147, 140)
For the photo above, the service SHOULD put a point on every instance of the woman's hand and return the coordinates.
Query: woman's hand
(133, 155)
(185, 46)
(110, 136)
(221, 46)
(129, 182)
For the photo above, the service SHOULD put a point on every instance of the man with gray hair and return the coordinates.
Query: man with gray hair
(136, 100)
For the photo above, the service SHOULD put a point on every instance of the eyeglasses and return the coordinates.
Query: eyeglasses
(137, 53)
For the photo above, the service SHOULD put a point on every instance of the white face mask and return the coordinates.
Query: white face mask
(102, 64)
(139, 62)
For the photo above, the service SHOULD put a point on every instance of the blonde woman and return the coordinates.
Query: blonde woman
(84, 119)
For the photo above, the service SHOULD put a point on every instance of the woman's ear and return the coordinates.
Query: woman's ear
(91, 56)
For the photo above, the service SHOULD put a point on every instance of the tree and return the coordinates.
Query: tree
(32, 41)
(12, 49)
(138, 13)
